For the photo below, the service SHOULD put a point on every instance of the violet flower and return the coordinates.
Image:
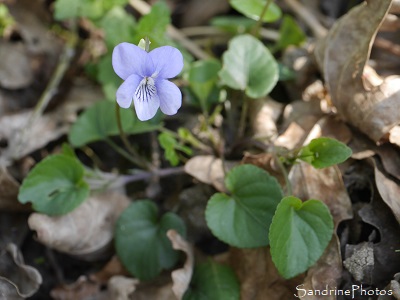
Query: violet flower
(145, 76)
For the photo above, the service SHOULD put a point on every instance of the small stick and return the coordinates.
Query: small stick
(312, 22)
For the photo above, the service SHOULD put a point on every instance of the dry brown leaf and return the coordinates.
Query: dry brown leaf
(82, 288)
(209, 169)
(264, 113)
(342, 56)
(258, 276)
(114, 267)
(159, 290)
(47, 128)
(9, 189)
(386, 259)
(17, 280)
(121, 287)
(15, 70)
(181, 277)
(87, 231)
(389, 191)
(363, 147)
(299, 118)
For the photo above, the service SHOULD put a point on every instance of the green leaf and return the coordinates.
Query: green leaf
(66, 9)
(154, 24)
(55, 186)
(100, 121)
(243, 218)
(213, 281)
(233, 24)
(299, 234)
(249, 66)
(253, 9)
(118, 26)
(141, 242)
(93, 9)
(203, 76)
(324, 152)
(171, 145)
(107, 77)
(289, 34)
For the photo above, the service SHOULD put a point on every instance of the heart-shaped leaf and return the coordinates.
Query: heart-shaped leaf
(254, 8)
(249, 66)
(55, 186)
(100, 121)
(141, 241)
(213, 281)
(299, 234)
(324, 152)
(243, 218)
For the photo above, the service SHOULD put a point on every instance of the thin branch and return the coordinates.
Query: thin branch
(51, 89)
(144, 8)
(308, 17)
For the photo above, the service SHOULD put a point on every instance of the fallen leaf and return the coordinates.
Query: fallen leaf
(264, 114)
(114, 267)
(15, 70)
(9, 188)
(82, 288)
(209, 169)
(389, 191)
(48, 127)
(121, 287)
(342, 56)
(386, 259)
(87, 231)
(299, 118)
(258, 276)
(17, 280)
(393, 286)
(181, 277)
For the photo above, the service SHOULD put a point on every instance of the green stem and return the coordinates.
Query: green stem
(243, 117)
(123, 153)
(258, 25)
(285, 174)
(135, 156)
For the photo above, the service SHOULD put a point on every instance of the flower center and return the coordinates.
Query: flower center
(146, 90)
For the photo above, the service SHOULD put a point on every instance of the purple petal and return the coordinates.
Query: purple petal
(146, 100)
(126, 91)
(167, 60)
(128, 59)
(170, 97)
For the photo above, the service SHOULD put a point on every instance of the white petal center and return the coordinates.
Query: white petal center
(146, 91)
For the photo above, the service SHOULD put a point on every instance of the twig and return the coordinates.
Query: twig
(144, 8)
(51, 89)
(312, 22)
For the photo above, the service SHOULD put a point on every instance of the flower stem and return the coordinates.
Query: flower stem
(134, 157)
(258, 25)
(243, 117)
(285, 175)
